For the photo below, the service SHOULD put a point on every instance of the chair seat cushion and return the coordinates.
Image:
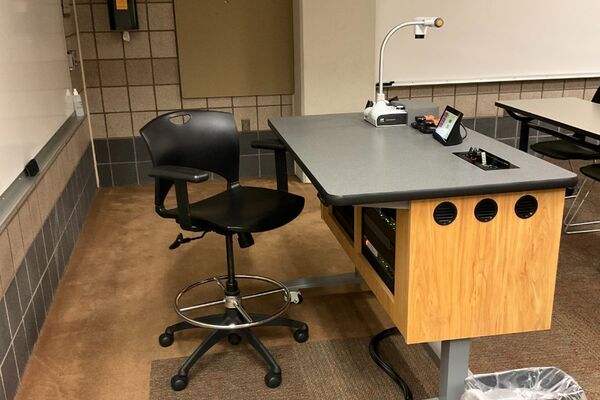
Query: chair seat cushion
(561, 150)
(591, 171)
(247, 209)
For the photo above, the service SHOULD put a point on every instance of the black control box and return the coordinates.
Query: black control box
(379, 241)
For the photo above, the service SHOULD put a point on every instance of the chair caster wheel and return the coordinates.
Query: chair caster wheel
(234, 338)
(301, 335)
(179, 382)
(166, 339)
(272, 379)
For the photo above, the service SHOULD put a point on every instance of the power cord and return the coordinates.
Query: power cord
(466, 131)
(374, 351)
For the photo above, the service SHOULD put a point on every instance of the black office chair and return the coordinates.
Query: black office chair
(591, 173)
(567, 151)
(184, 145)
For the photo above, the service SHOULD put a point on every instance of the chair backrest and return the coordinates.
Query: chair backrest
(206, 140)
(596, 98)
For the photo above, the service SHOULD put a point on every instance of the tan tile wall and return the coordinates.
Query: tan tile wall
(38, 236)
(35, 246)
(129, 83)
(17, 235)
(477, 100)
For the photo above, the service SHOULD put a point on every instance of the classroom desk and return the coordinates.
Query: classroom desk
(453, 282)
(576, 115)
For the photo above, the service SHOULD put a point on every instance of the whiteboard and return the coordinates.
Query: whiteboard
(490, 40)
(34, 79)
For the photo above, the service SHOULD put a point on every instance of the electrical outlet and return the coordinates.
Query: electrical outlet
(245, 125)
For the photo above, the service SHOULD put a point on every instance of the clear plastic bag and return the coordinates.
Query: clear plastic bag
(546, 383)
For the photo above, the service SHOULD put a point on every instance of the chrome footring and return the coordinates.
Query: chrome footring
(233, 302)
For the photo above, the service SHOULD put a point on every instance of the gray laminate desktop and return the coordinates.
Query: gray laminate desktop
(352, 162)
(576, 115)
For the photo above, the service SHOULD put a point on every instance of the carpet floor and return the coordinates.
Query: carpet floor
(331, 369)
(343, 369)
(99, 340)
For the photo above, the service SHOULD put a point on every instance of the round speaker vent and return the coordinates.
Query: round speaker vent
(526, 206)
(486, 210)
(445, 213)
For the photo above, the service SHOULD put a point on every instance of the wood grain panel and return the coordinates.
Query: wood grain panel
(471, 278)
(235, 47)
(402, 272)
(339, 232)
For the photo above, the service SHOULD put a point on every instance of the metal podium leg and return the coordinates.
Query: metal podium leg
(454, 357)
(454, 368)
(324, 281)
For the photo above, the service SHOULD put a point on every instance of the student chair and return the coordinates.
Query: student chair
(185, 146)
(567, 151)
(592, 174)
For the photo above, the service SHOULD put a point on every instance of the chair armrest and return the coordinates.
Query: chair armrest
(280, 160)
(170, 174)
(268, 144)
(176, 173)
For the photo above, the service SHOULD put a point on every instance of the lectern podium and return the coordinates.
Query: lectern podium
(452, 251)
(457, 277)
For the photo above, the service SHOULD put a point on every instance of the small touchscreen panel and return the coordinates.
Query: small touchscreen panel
(447, 122)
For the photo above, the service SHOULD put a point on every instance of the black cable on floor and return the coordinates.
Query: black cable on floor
(374, 351)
